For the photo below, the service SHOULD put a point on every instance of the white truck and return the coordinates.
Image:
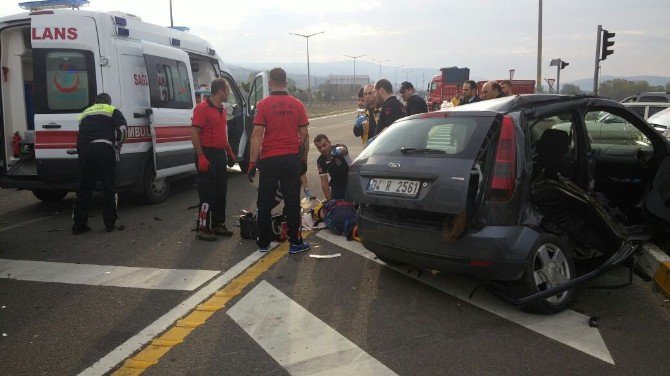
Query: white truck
(55, 61)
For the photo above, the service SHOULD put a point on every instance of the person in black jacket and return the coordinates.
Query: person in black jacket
(469, 93)
(392, 109)
(414, 104)
(102, 129)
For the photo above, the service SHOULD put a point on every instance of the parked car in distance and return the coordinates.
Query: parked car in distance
(649, 96)
(497, 191)
(661, 121)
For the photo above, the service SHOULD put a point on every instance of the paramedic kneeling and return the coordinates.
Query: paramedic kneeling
(280, 128)
(213, 154)
(102, 130)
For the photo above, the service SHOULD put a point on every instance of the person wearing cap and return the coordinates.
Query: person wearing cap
(213, 154)
(102, 130)
(278, 145)
(469, 93)
(414, 104)
(333, 165)
(392, 109)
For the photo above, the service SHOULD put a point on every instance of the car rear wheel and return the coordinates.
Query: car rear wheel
(550, 265)
(155, 190)
(48, 195)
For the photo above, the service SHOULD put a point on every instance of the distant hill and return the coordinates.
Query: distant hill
(586, 84)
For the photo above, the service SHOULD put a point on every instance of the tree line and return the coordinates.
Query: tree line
(618, 88)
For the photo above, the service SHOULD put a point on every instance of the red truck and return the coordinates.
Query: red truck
(447, 85)
(518, 86)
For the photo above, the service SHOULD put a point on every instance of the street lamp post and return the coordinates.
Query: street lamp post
(354, 57)
(171, 23)
(380, 65)
(396, 74)
(539, 48)
(309, 80)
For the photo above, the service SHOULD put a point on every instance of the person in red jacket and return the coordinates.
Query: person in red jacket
(213, 154)
(279, 146)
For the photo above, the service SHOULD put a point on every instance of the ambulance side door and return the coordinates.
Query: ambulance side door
(172, 100)
(133, 101)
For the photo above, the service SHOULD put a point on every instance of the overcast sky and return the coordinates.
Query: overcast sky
(490, 37)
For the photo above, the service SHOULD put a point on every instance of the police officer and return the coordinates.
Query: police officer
(280, 132)
(102, 130)
(392, 109)
(414, 104)
(213, 153)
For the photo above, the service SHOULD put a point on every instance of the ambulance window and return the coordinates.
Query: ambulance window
(169, 83)
(64, 80)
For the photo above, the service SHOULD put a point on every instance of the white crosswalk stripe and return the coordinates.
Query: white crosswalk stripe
(568, 327)
(105, 275)
(298, 340)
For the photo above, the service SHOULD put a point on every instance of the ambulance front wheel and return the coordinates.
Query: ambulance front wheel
(155, 190)
(48, 195)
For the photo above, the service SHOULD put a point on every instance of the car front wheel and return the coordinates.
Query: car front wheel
(550, 265)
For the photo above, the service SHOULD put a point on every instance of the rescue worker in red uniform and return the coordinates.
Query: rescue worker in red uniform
(213, 155)
(280, 129)
(102, 129)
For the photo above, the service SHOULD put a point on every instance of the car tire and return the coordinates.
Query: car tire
(48, 195)
(550, 264)
(154, 190)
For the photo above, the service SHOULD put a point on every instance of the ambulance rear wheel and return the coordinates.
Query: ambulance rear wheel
(48, 195)
(155, 190)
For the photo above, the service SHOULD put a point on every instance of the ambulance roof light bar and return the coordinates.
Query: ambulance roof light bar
(52, 4)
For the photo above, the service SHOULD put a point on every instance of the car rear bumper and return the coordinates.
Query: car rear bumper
(492, 252)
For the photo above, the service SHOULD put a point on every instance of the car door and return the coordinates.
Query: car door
(258, 89)
(632, 164)
(236, 118)
(172, 98)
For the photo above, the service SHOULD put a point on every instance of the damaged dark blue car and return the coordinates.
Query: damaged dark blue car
(515, 190)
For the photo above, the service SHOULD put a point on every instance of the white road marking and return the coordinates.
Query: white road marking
(147, 334)
(298, 340)
(105, 275)
(568, 327)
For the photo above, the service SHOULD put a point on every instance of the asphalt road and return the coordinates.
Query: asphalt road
(303, 315)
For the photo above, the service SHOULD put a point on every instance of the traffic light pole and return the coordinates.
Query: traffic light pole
(595, 74)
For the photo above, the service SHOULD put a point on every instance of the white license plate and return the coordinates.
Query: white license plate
(401, 187)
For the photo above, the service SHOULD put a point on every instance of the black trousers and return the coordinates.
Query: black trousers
(97, 161)
(282, 170)
(212, 189)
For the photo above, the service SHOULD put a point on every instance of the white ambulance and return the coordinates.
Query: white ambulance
(55, 61)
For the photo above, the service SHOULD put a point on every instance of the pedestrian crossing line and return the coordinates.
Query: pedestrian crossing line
(567, 327)
(175, 335)
(296, 339)
(105, 275)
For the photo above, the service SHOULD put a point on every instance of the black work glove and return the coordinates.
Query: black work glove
(251, 173)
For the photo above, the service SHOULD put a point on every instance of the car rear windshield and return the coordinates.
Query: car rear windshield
(454, 136)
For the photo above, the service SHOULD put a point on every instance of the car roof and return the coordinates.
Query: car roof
(518, 102)
(644, 104)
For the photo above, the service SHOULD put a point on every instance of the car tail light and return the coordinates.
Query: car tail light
(504, 169)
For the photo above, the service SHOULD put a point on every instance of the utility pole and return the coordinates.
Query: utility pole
(309, 81)
(171, 23)
(354, 57)
(539, 49)
(595, 71)
(380, 65)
